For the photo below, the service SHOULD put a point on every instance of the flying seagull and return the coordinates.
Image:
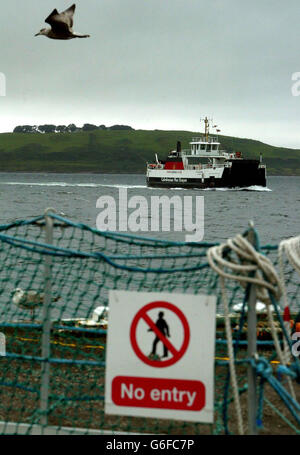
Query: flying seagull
(61, 25)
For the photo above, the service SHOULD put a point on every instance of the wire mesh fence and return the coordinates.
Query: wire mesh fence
(85, 264)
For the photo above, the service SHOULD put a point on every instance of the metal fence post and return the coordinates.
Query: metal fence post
(252, 348)
(46, 324)
(252, 395)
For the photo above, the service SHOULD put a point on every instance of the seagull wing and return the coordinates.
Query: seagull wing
(70, 11)
(61, 22)
(52, 17)
(69, 14)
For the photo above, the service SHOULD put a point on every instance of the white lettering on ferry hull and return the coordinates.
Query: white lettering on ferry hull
(175, 179)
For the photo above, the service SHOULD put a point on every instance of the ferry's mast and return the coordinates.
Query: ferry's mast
(206, 123)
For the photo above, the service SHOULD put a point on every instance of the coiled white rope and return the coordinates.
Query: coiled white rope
(291, 247)
(248, 267)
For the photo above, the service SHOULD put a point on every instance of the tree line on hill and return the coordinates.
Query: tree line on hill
(72, 128)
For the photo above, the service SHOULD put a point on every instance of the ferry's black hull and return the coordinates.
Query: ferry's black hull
(242, 174)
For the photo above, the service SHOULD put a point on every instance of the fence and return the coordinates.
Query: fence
(54, 273)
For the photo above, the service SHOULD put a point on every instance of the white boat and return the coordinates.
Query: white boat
(206, 165)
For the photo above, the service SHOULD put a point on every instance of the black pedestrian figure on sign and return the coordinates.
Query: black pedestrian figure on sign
(164, 329)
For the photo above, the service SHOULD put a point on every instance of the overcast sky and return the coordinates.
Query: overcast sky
(156, 64)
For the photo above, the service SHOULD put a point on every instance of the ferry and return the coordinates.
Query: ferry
(206, 165)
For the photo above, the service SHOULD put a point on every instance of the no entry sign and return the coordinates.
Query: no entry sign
(160, 355)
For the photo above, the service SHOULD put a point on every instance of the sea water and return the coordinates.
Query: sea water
(274, 210)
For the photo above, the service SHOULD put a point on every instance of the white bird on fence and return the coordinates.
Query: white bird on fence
(29, 300)
(61, 25)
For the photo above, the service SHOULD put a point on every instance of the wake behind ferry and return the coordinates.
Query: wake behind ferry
(206, 165)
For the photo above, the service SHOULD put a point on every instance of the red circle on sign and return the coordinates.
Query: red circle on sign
(141, 314)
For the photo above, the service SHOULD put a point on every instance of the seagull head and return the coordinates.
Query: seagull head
(17, 290)
(43, 31)
(17, 294)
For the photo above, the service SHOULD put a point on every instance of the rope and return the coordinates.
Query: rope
(50, 250)
(282, 416)
(265, 371)
(291, 247)
(250, 267)
(236, 345)
(249, 261)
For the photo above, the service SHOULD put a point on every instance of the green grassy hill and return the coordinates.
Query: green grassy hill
(121, 151)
